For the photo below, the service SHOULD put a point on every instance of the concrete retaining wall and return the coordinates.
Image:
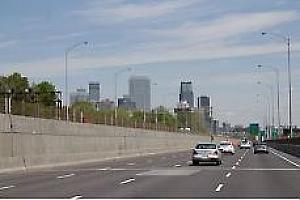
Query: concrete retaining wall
(32, 143)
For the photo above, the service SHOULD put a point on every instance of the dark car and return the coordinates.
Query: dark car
(260, 148)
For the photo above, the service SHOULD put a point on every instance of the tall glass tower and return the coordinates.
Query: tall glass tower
(94, 92)
(186, 93)
(140, 92)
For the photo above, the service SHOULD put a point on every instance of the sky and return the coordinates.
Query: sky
(216, 44)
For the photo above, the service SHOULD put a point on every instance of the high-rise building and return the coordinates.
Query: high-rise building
(79, 96)
(126, 103)
(203, 102)
(186, 93)
(140, 92)
(94, 92)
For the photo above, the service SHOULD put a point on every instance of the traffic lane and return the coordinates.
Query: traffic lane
(71, 186)
(263, 176)
(262, 184)
(44, 183)
(162, 186)
(263, 160)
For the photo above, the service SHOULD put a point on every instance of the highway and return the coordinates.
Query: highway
(168, 175)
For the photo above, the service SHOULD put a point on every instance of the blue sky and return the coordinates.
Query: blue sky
(214, 43)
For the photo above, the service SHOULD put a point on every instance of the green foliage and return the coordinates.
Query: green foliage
(46, 93)
(16, 83)
(85, 107)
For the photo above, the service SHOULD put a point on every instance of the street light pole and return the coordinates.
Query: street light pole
(116, 89)
(276, 71)
(271, 114)
(287, 40)
(67, 51)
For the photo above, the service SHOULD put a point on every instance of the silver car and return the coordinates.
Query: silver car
(206, 152)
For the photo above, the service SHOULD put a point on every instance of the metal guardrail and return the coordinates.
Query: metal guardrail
(290, 146)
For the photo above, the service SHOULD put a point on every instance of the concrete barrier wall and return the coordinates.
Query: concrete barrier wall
(33, 142)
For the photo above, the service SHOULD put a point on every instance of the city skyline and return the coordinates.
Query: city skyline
(216, 45)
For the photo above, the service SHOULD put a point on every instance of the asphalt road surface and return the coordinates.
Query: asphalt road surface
(171, 175)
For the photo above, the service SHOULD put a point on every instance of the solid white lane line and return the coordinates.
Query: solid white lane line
(229, 174)
(65, 176)
(76, 197)
(6, 187)
(269, 169)
(233, 167)
(218, 189)
(127, 181)
(286, 159)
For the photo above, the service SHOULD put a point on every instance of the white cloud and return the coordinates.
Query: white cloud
(228, 26)
(118, 11)
(64, 36)
(7, 44)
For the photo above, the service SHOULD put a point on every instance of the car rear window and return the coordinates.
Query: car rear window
(206, 146)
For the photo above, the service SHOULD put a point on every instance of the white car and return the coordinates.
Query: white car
(245, 144)
(226, 147)
(206, 152)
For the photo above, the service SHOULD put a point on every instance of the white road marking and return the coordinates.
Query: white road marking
(65, 176)
(104, 169)
(218, 189)
(152, 153)
(177, 166)
(6, 187)
(131, 164)
(237, 163)
(233, 167)
(128, 181)
(286, 159)
(229, 174)
(240, 160)
(76, 197)
(268, 169)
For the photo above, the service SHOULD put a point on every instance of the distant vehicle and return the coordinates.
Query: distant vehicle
(226, 147)
(260, 148)
(206, 152)
(245, 144)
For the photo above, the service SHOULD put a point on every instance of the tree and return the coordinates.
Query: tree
(45, 92)
(16, 83)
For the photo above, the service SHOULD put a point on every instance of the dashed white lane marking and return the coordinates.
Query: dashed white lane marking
(228, 175)
(233, 167)
(128, 181)
(76, 197)
(104, 169)
(131, 164)
(240, 160)
(6, 187)
(218, 189)
(177, 165)
(65, 176)
(152, 153)
(284, 158)
(237, 163)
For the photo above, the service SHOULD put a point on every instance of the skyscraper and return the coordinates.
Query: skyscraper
(203, 102)
(186, 93)
(94, 92)
(140, 92)
(79, 96)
